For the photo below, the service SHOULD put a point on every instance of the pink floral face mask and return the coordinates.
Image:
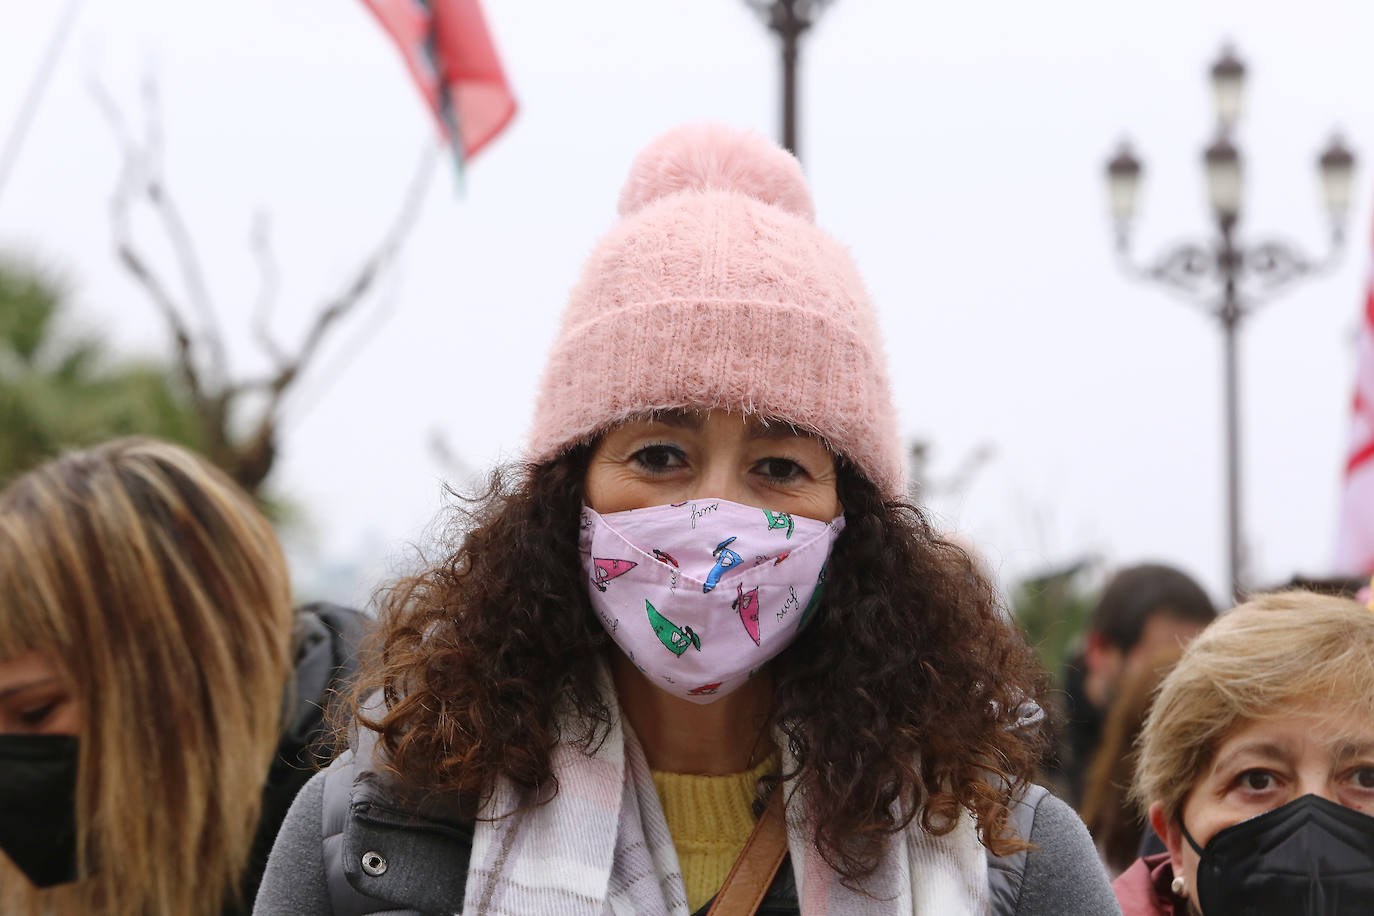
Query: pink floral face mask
(701, 595)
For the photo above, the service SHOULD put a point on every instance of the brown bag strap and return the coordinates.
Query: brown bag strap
(753, 872)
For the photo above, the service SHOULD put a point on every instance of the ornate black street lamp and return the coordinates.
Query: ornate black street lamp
(1229, 279)
(789, 19)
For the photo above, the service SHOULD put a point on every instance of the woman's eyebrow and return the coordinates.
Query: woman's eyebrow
(1260, 749)
(1348, 750)
(28, 685)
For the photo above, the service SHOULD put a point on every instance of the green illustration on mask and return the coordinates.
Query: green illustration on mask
(677, 639)
(779, 520)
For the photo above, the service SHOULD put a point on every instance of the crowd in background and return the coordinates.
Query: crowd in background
(142, 588)
(579, 707)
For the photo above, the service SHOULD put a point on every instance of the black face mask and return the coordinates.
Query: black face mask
(38, 806)
(1310, 857)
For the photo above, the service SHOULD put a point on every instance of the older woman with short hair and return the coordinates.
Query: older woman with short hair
(1256, 765)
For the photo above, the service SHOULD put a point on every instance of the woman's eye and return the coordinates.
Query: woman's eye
(779, 469)
(1256, 780)
(659, 458)
(35, 716)
(1363, 777)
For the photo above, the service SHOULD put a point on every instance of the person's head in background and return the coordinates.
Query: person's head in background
(1144, 610)
(1108, 811)
(145, 622)
(1266, 727)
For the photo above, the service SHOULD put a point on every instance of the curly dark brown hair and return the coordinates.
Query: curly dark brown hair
(901, 695)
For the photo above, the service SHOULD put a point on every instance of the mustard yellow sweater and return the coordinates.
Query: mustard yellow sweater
(710, 819)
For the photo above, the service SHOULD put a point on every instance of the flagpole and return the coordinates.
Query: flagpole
(14, 141)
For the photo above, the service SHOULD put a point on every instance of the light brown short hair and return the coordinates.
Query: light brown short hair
(160, 592)
(1271, 655)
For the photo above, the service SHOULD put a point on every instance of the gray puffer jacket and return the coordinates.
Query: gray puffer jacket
(349, 849)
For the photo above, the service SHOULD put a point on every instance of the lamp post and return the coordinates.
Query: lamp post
(789, 19)
(1227, 277)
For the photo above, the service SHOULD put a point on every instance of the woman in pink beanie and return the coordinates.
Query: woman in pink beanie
(695, 654)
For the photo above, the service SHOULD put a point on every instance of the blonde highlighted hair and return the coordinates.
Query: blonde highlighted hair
(161, 593)
(1270, 656)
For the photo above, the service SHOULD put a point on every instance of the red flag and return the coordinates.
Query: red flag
(450, 54)
(1355, 543)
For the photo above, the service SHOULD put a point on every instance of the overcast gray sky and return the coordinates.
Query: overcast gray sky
(957, 148)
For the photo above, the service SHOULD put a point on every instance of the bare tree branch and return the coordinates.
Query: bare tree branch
(157, 292)
(215, 393)
(973, 462)
(268, 286)
(924, 487)
(105, 104)
(300, 399)
(177, 233)
(444, 453)
(362, 282)
(13, 142)
(121, 201)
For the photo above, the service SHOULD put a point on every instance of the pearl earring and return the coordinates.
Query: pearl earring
(1178, 886)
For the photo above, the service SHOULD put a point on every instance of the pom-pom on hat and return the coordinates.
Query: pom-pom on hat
(718, 291)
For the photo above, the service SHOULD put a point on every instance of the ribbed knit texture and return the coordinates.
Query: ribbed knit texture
(710, 819)
(718, 291)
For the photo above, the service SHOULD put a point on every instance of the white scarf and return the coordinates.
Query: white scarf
(601, 846)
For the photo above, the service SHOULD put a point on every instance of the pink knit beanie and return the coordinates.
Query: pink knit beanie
(718, 291)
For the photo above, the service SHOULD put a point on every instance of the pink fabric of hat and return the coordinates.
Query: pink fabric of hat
(718, 291)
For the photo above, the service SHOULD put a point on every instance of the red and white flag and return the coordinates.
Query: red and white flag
(1355, 543)
(450, 54)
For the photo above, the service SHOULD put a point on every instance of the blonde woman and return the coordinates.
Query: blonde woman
(1257, 767)
(146, 639)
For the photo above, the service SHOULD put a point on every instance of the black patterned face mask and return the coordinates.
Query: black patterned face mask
(1310, 857)
(38, 806)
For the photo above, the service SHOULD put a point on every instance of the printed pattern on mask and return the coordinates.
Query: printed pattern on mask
(721, 586)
